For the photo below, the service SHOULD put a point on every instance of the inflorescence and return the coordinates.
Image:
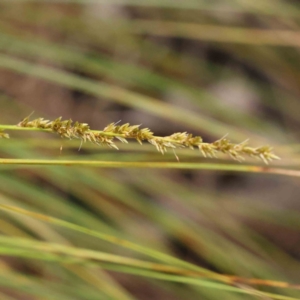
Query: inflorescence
(82, 131)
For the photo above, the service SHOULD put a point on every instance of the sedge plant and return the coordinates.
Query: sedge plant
(107, 136)
(73, 232)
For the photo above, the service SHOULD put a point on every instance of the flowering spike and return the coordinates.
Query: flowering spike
(70, 130)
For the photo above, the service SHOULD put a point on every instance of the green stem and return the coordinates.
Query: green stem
(153, 165)
(16, 127)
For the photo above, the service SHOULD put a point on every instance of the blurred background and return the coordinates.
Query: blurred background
(210, 68)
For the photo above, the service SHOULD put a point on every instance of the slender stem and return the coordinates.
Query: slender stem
(153, 165)
(15, 127)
